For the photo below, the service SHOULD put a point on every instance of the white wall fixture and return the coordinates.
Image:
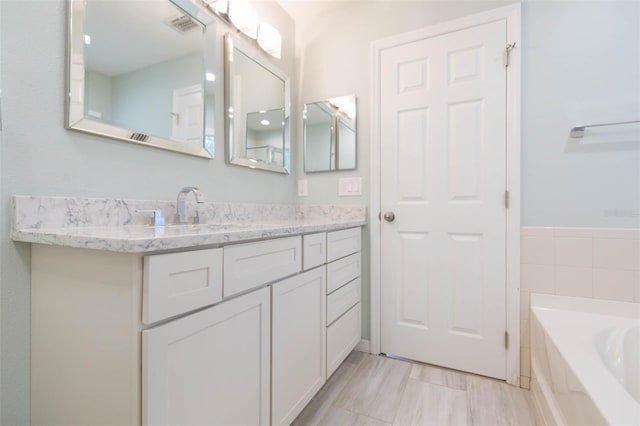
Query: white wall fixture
(270, 40)
(244, 17)
(220, 7)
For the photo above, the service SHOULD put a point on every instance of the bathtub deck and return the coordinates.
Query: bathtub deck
(376, 390)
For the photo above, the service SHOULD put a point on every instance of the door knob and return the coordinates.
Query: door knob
(389, 216)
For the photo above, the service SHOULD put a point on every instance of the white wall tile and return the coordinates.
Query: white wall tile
(574, 251)
(537, 278)
(525, 362)
(525, 334)
(573, 232)
(614, 284)
(614, 253)
(525, 304)
(537, 250)
(630, 234)
(536, 231)
(574, 281)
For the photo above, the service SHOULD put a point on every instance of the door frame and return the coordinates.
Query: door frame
(512, 15)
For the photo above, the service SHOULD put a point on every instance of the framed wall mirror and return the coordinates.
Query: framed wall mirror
(257, 103)
(330, 135)
(143, 72)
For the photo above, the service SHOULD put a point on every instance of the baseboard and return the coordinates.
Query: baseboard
(363, 346)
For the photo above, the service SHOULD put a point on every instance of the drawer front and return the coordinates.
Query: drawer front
(180, 282)
(314, 250)
(253, 264)
(342, 336)
(342, 271)
(341, 300)
(343, 243)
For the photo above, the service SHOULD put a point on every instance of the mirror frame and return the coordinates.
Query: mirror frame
(335, 138)
(75, 33)
(253, 53)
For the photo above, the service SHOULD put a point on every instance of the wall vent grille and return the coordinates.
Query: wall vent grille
(182, 23)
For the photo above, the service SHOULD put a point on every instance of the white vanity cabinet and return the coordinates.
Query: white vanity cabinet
(298, 368)
(246, 333)
(211, 367)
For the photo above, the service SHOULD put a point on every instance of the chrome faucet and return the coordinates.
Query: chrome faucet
(180, 204)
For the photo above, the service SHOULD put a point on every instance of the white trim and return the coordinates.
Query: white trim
(512, 15)
(363, 346)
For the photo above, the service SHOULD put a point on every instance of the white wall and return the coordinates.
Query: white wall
(40, 157)
(580, 64)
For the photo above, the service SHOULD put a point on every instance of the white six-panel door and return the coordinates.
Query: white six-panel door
(443, 145)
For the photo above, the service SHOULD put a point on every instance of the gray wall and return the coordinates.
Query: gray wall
(580, 65)
(143, 99)
(40, 157)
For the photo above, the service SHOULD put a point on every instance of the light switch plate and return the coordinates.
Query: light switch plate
(348, 187)
(303, 188)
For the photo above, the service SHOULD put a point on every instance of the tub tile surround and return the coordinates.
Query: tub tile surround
(123, 225)
(580, 262)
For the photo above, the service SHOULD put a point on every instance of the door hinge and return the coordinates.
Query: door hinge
(505, 53)
(506, 199)
(506, 340)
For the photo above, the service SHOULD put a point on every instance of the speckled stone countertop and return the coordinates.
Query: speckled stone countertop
(124, 225)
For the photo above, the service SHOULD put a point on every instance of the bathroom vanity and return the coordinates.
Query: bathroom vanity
(217, 323)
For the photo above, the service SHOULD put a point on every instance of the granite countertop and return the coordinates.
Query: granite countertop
(122, 225)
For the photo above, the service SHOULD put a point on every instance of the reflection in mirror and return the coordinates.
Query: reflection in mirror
(257, 105)
(330, 135)
(143, 71)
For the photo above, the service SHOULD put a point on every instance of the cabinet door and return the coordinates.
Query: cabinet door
(299, 343)
(211, 367)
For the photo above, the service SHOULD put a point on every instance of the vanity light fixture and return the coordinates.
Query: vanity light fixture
(220, 7)
(265, 122)
(244, 17)
(270, 40)
(210, 76)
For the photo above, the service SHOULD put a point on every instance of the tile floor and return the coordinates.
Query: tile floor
(376, 390)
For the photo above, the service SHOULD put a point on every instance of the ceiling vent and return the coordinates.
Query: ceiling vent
(182, 23)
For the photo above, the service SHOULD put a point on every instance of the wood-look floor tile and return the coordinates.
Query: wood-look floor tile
(428, 404)
(356, 357)
(321, 403)
(376, 388)
(439, 376)
(492, 402)
(524, 410)
(340, 417)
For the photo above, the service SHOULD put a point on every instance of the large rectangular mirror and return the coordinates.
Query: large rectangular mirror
(330, 134)
(257, 109)
(143, 71)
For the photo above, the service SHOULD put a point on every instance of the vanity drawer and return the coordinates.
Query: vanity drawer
(342, 336)
(341, 300)
(180, 282)
(342, 271)
(314, 250)
(343, 243)
(253, 264)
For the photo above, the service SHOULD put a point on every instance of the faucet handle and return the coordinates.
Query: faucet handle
(157, 219)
